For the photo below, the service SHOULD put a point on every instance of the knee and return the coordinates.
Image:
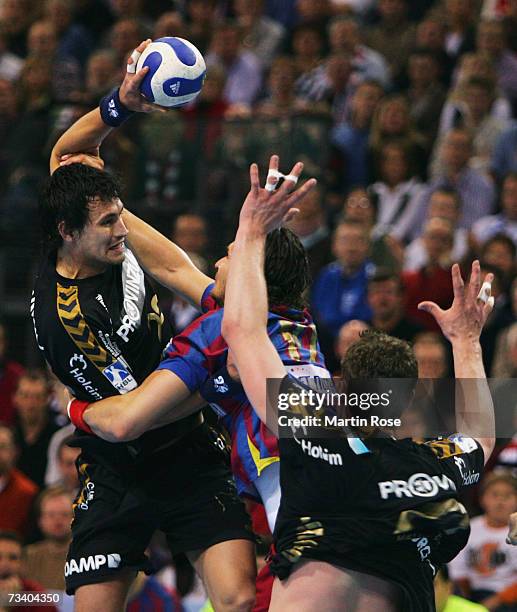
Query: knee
(240, 599)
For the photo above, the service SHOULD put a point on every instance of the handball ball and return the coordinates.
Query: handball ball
(176, 71)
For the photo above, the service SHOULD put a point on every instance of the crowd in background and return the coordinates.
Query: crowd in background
(406, 112)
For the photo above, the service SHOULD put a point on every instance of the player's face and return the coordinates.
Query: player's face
(102, 240)
(222, 272)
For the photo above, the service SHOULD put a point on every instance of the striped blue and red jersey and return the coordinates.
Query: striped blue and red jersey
(200, 351)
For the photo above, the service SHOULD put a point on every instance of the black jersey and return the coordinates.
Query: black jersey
(380, 506)
(102, 336)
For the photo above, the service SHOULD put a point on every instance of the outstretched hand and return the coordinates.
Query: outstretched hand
(130, 94)
(470, 309)
(265, 210)
(512, 530)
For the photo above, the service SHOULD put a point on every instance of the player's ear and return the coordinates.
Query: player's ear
(65, 233)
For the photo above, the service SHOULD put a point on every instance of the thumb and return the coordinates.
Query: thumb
(431, 308)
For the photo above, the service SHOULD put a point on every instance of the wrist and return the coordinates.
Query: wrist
(76, 410)
(113, 110)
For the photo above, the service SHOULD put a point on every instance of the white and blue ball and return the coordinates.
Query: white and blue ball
(176, 71)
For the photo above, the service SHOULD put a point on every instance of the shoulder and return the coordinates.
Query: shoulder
(23, 484)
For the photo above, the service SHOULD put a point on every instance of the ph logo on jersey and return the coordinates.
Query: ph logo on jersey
(119, 376)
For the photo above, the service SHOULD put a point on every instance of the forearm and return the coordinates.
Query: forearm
(86, 134)
(474, 405)
(166, 262)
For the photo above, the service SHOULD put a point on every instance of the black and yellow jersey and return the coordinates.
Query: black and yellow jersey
(101, 335)
(377, 505)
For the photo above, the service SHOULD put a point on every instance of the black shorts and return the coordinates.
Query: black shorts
(187, 491)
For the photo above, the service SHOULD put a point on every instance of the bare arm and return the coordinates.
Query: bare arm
(462, 324)
(246, 305)
(161, 399)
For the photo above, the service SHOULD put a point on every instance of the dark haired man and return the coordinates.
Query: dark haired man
(191, 357)
(360, 513)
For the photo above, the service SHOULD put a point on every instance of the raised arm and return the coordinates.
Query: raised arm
(162, 259)
(462, 324)
(244, 324)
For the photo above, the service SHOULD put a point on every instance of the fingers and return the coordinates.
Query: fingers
(474, 285)
(290, 214)
(254, 179)
(133, 58)
(300, 193)
(290, 180)
(273, 175)
(457, 283)
(432, 308)
(138, 78)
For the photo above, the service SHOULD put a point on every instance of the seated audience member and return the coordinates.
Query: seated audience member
(243, 68)
(397, 192)
(392, 121)
(426, 93)
(444, 597)
(11, 580)
(10, 372)
(500, 251)
(486, 569)
(282, 100)
(65, 471)
(311, 228)
(44, 561)
(475, 189)
(504, 222)
(444, 203)
(504, 159)
(339, 293)
(385, 251)
(504, 364)
(34, 427)
(17, 492)
(459, 18)
(430, 34)
(386, 301)
(432, 281)
(431, 356)
(348, 334)
(125, 35)
(351, 137)
(170, 23)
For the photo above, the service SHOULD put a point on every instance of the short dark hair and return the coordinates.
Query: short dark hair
(12, 536)
(286, 269)
(501, 239)
(449, 191)
(381, 275)
(378, 355)
(36, 375)
(66, 195)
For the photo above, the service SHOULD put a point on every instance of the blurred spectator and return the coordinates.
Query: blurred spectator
(190, 234)
(499, 251)
(200, 18)
(394, 36)
(261, 34)
(444, 597)
(307, 49)
(432, 281)
(392, 120)
(95, 15)
(34, 427)
(45, 561)
(10, 372)
(17, 492)
(66, 70)
(459, 18)
(474, 100)
(125, 35)
(339, 293)
(147, 593)
(169, 24)
(243, 69)
(10, 64)
(101, 76)
(510, 24)
(486, 569)
(345, 36)
(385, 251)
(431, 356)
(425, 92)
(64, 474)
(386, 301)
(475, 189)
(397, 192)
(314, 13)
(504, 156)
(430, 34)
(352, 136)
(282, 100)
(504, 364)
(311, 228)
(11, 580)
(74, 41)
(491, 39)
(444, 203)
(504, 222)
(15, 18)
(348, 334)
